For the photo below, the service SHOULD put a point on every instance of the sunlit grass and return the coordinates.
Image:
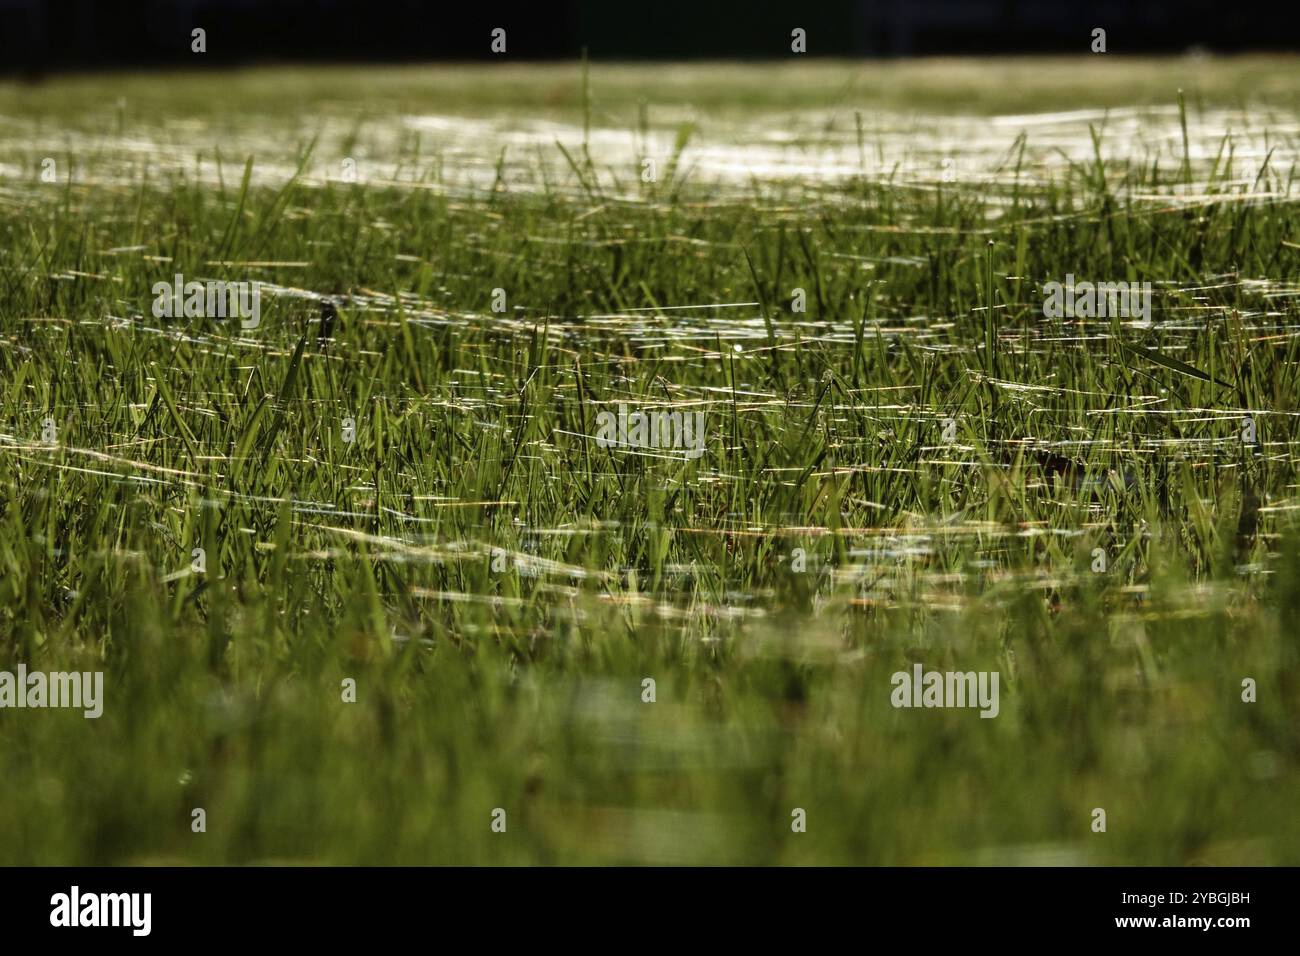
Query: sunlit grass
(499, 585)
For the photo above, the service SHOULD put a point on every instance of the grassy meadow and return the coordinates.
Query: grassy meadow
(468, 265)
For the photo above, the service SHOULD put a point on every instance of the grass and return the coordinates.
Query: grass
(498, 585)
